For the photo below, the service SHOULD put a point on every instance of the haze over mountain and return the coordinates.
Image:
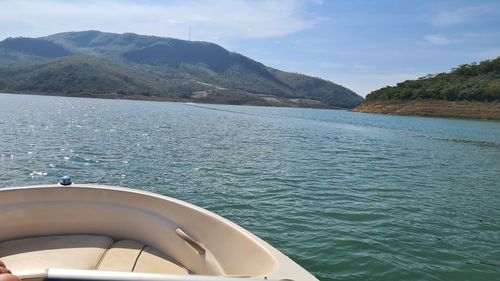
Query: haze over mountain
(98, 64)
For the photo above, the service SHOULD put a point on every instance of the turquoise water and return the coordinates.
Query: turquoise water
(349, 196)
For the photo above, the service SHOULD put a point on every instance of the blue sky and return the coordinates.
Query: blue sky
(361, 44)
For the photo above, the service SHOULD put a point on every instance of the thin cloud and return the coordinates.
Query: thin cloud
(437, 40)
(212, 20)
(461, 15)
(325, 64)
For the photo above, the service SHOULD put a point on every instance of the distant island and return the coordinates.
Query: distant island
(130, 66)
(468, 91)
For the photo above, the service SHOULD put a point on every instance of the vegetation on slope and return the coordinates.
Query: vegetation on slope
(90, 76)
(36, 47)
(95, 62)
(325, 91)
(468, 82)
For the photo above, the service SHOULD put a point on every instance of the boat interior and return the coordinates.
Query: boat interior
(102, 228)
(30, 256)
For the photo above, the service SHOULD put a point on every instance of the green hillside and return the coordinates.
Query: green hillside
(96, 63)
(35, 47)
(86, 75)
(468, 82)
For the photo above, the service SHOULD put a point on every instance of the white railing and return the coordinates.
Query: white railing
(54, 274)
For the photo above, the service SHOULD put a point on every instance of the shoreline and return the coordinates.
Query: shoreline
(434, 108)
(266, 102)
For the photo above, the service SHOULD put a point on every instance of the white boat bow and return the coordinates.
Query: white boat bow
(106, 228)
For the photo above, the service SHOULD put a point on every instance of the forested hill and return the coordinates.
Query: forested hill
(99, 64)
(468, 91)
(468, 82)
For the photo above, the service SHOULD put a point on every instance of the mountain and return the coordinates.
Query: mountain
(468, 91)
(99, 64)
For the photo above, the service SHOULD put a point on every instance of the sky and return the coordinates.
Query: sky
(363, 45)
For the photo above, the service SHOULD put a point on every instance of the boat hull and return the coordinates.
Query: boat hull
(202, 241)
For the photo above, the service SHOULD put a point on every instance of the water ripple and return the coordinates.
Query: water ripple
(348, 196)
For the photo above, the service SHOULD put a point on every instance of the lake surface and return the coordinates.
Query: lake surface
(349, 196)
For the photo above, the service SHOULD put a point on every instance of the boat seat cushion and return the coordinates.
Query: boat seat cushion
(152, 261)
(34, 255)
(121, 256)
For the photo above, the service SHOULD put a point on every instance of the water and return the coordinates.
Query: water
(349, 196)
